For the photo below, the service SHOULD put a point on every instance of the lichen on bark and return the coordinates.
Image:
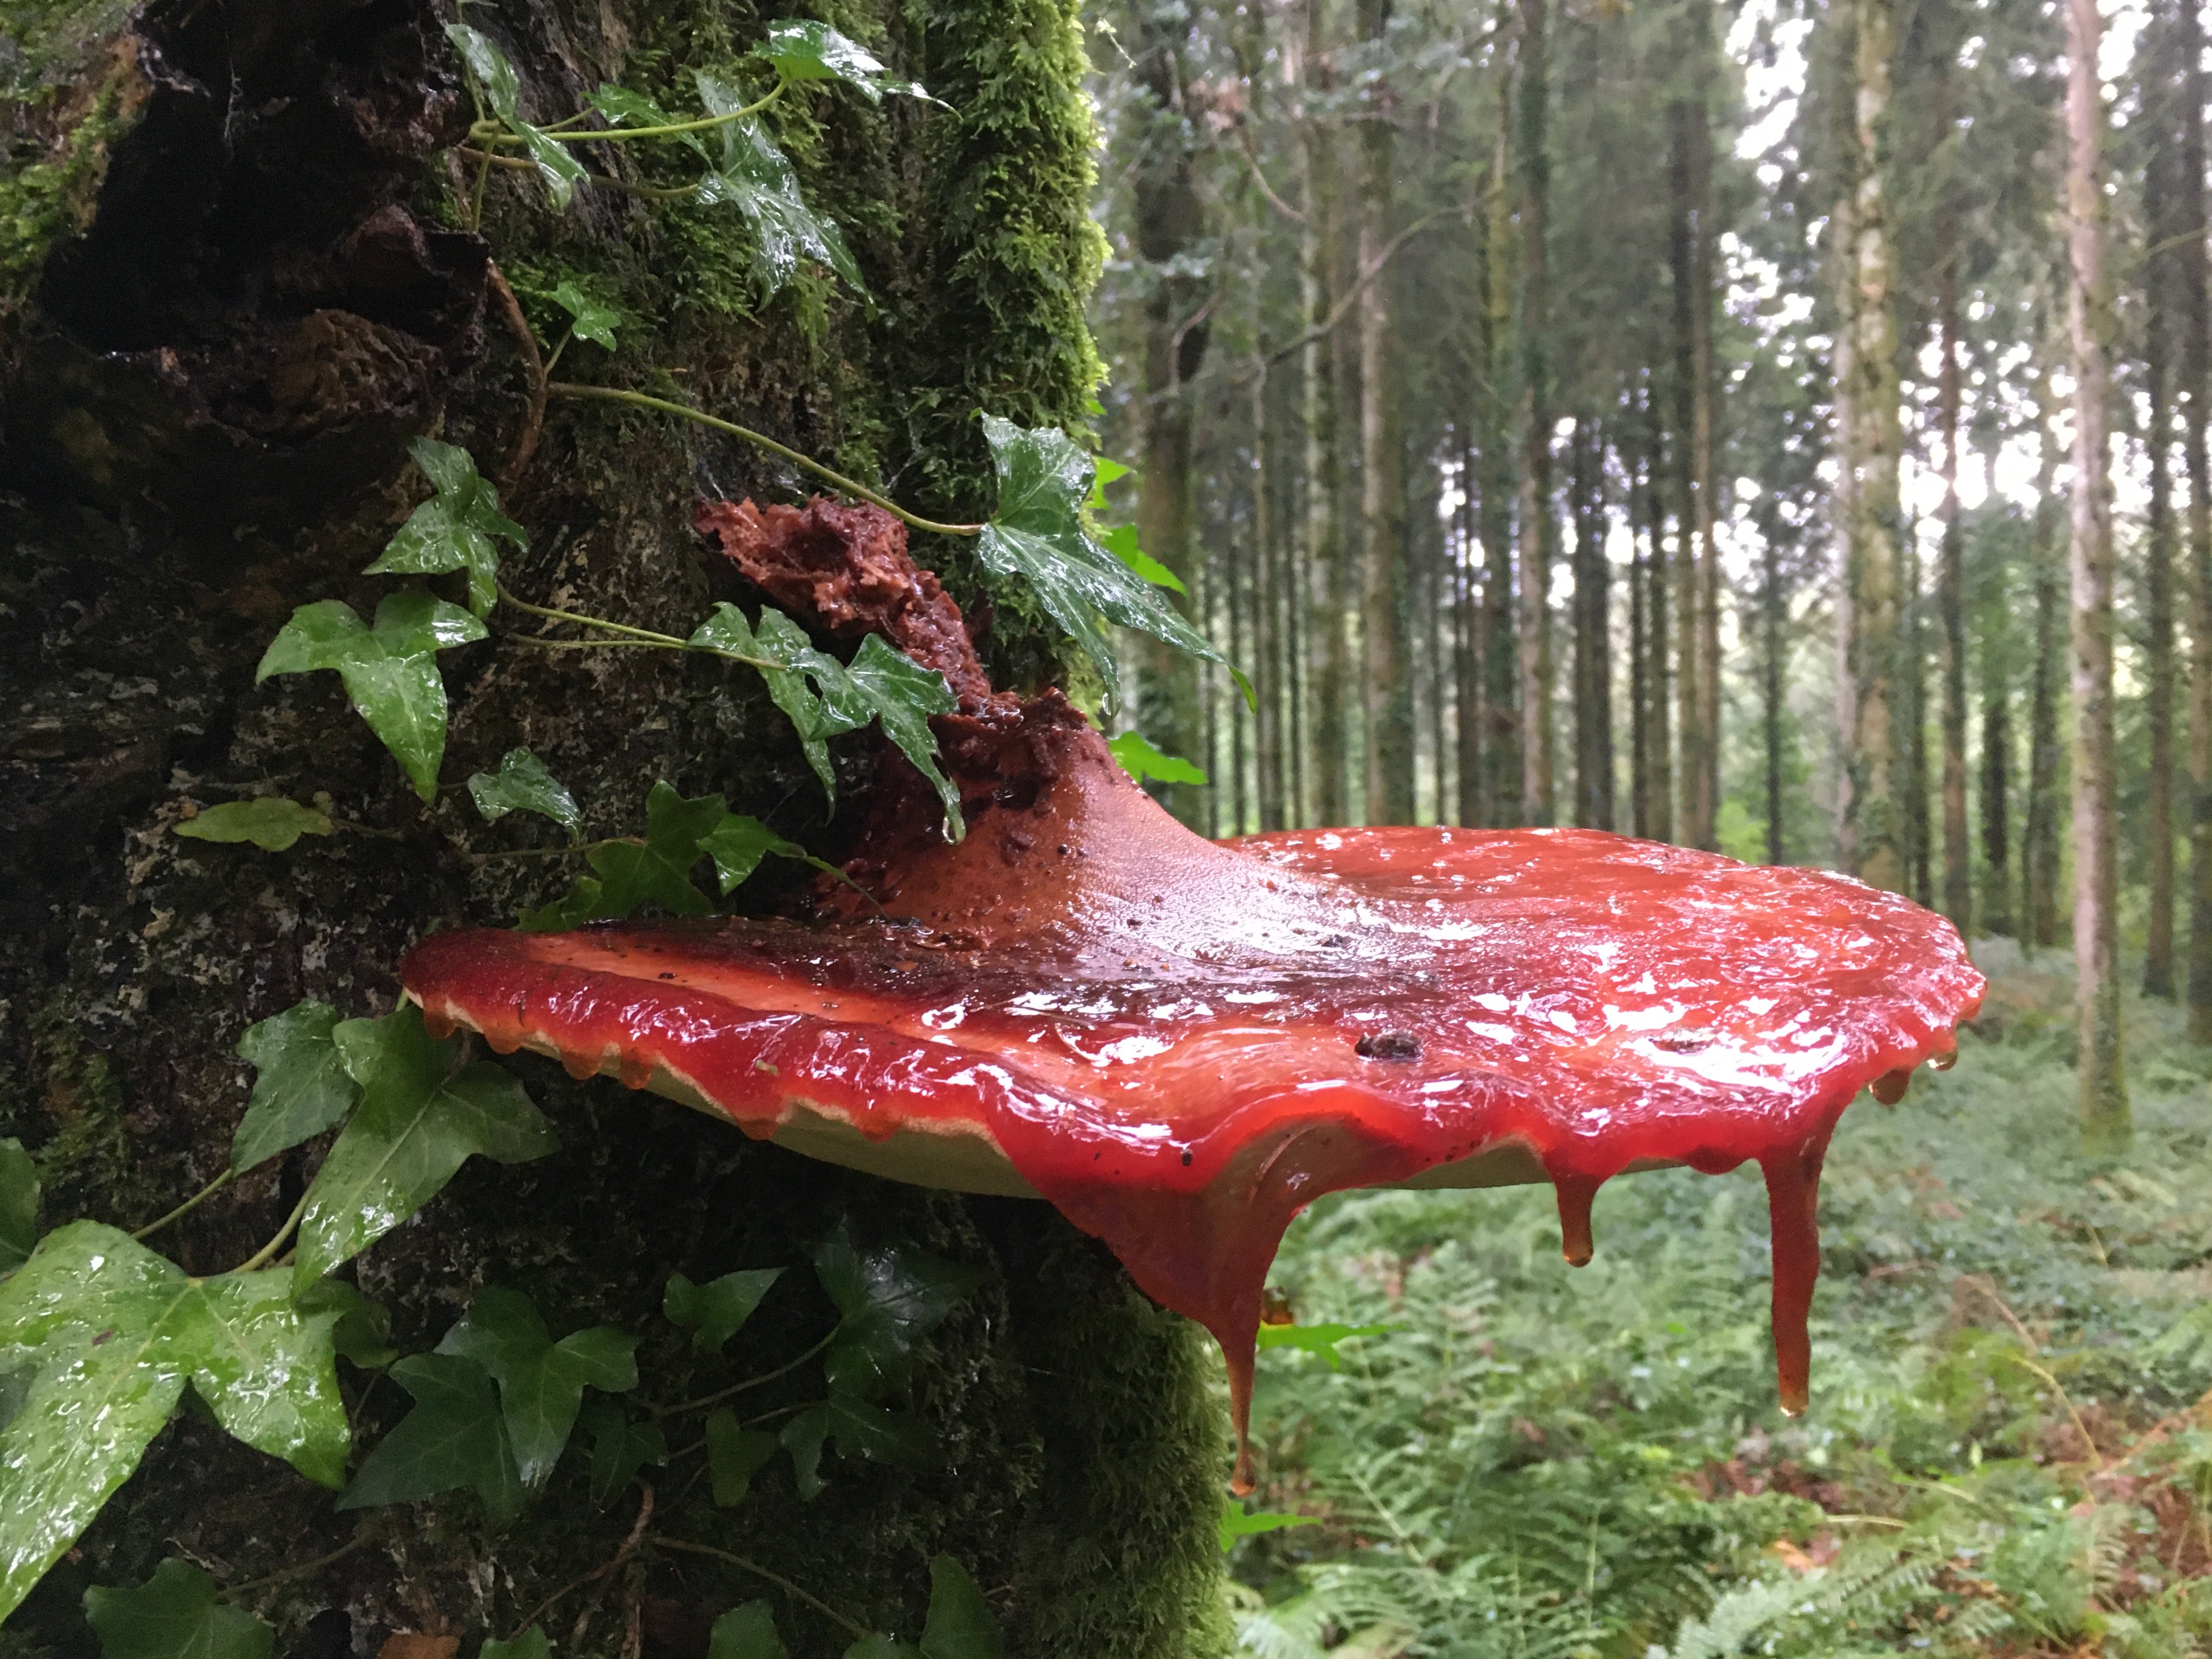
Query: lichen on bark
(237, 290)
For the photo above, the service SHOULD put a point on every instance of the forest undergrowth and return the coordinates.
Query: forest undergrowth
(2008, 1452)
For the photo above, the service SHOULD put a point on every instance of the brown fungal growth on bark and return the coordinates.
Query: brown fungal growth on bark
(1182, 1043)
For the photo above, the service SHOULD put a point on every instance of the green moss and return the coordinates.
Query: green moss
(72, 1114)
(43, 199)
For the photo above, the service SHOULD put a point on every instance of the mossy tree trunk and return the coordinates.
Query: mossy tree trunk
(234, 284)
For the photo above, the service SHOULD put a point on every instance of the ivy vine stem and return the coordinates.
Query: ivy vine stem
(484, 159)
(262, 1257)
(299, 1569)
(187, 1206)
(645, 635)
(858, 1631)
(720, 1395)
(618, 134)
(761, 439)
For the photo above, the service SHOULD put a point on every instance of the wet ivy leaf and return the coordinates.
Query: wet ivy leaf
(890, 1299)
(961, 1624)
(620, 1448)
(1121, 542)
(560, 170)
(454, 1437)
(880, 1646)
(1038, 535)
(531, 1644)
(1147, 764)
(1235, 1523)
(755, 178)
(418, 1120)
(734, 1456)
(178, 1613)
(273, 824)
(390, 670)
(572, 909)
(625, 108)
(523, 784)
(541, 1382)
(858, 1428)
(659, 868)
(19, 1204)
(738, 844)
(456, 529)
(299, 1087)
(587, 319)
(807, 51)
(1317, 1338)
(747, 1632)
(903, 694)
(711, 1312)
(112, 1333)
(362, 1334)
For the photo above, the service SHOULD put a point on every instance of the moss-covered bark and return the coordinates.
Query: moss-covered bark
(232, 286)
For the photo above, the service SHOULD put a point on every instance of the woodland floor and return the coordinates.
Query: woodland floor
(2009, 1450)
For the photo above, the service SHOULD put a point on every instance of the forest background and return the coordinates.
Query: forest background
(1782, 429)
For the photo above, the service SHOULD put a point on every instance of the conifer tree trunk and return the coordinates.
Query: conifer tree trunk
(2195, 388)
(1912, 702)
(1321, 248)
(2039, 842)
(1685, 121)
(1876, 828)
(1274, 662)
(1658, 762)
(1593, 634)
(1501, 640)
(1705, 393)
(1639, 650)
(1998, 916)
(1951, 608)
(1467, 615)
(2102, 1076)
(2158, 596)
(1532, 518)
(1773, 609)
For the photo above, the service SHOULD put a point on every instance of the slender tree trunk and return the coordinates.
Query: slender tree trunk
(1951, 610)
(1639, 645)
(2196, 386)
(1273, 661)
(2039, 847)
(1659, 763)
(1997, 778)
(1386, 683)
(1912, 704)
(1501, 640)
(2158, 596)
(1686, 122)
(1466, 615)
(1321, 248)
(2103, 1079)
(1593, 634)
(1876, 828)
(1705, 391)
(1773, 614)
(1534, 514)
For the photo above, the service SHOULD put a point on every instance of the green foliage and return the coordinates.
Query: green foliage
(746, 1632)
(890, 1299)
(620, 1448)
(587, 319)
(272, 824)
(175, 1614)
(858, 1428)
(531, 1644)
(112, 1333)
(713, 1312)
(420, 1118)
(456, 529)
(1147, 764)
(1316, 1339)
(454, 1437)
(803, 50)
(541, 1382)
(494, 79)
(19, 1204)
(735, 1455)
(1121, 542)
(1038, 535)
(390, 670)
(880, 1646)
(757, 178)
(523, 784)
(362, 1334)
(961, 1624)
(300, 1084)
(1237, 1521)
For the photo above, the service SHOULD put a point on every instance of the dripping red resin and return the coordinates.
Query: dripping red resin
(1182, 1043)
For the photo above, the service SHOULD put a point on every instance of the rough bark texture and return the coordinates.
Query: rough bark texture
(2195, 386)
(2039, 842)
(1951, 610)
(1321, 248)
(1532, 518)
(231, 288)
(1593, 634)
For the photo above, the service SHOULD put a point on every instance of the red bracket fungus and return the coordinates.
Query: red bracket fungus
(1180, 1043)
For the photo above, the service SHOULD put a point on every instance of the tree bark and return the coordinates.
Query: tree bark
(2195, 388)
(1273, 659)
(1951, 610)
(1321, 247)
(1501, 724)
(1659, 763)
(1593, 634)
(1774, 609)
(1532, 520)
(1639, 648)
(204, 411)
(2101, 1074)
(2158, 620)
(2039, 843)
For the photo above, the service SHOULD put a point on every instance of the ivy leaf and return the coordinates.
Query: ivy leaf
(746, 1632)
(562, 171)
(541, 1382)
(299, 1087)
(362, 1334)
(961, 1624)
(273, 824)
(390, 671)
(178, 1613)
(711, 1312)
(620, 1448)
(859, 1428)
(455, 530)
(19, 1204)
(831, 708)
(890, 1299)
(1038, 535)
(903, 694)
(734, 1456)
(454, 1437)
(756, 179)
(737, 845)
(880, 1646)
(1121, 542)
(531, 1644)
(659, 868)
(112, 1333)
(588, 318)
(623, 108)
(572, 909)
(419, 1121)
(807, 51)
(1235, 1523)
(1317, 1338)
(523, 784)
(1144, 762)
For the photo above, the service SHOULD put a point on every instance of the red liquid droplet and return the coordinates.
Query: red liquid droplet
(439, 1026)
(1889, 1088)
(1793, 1193)
(1575, 1193)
